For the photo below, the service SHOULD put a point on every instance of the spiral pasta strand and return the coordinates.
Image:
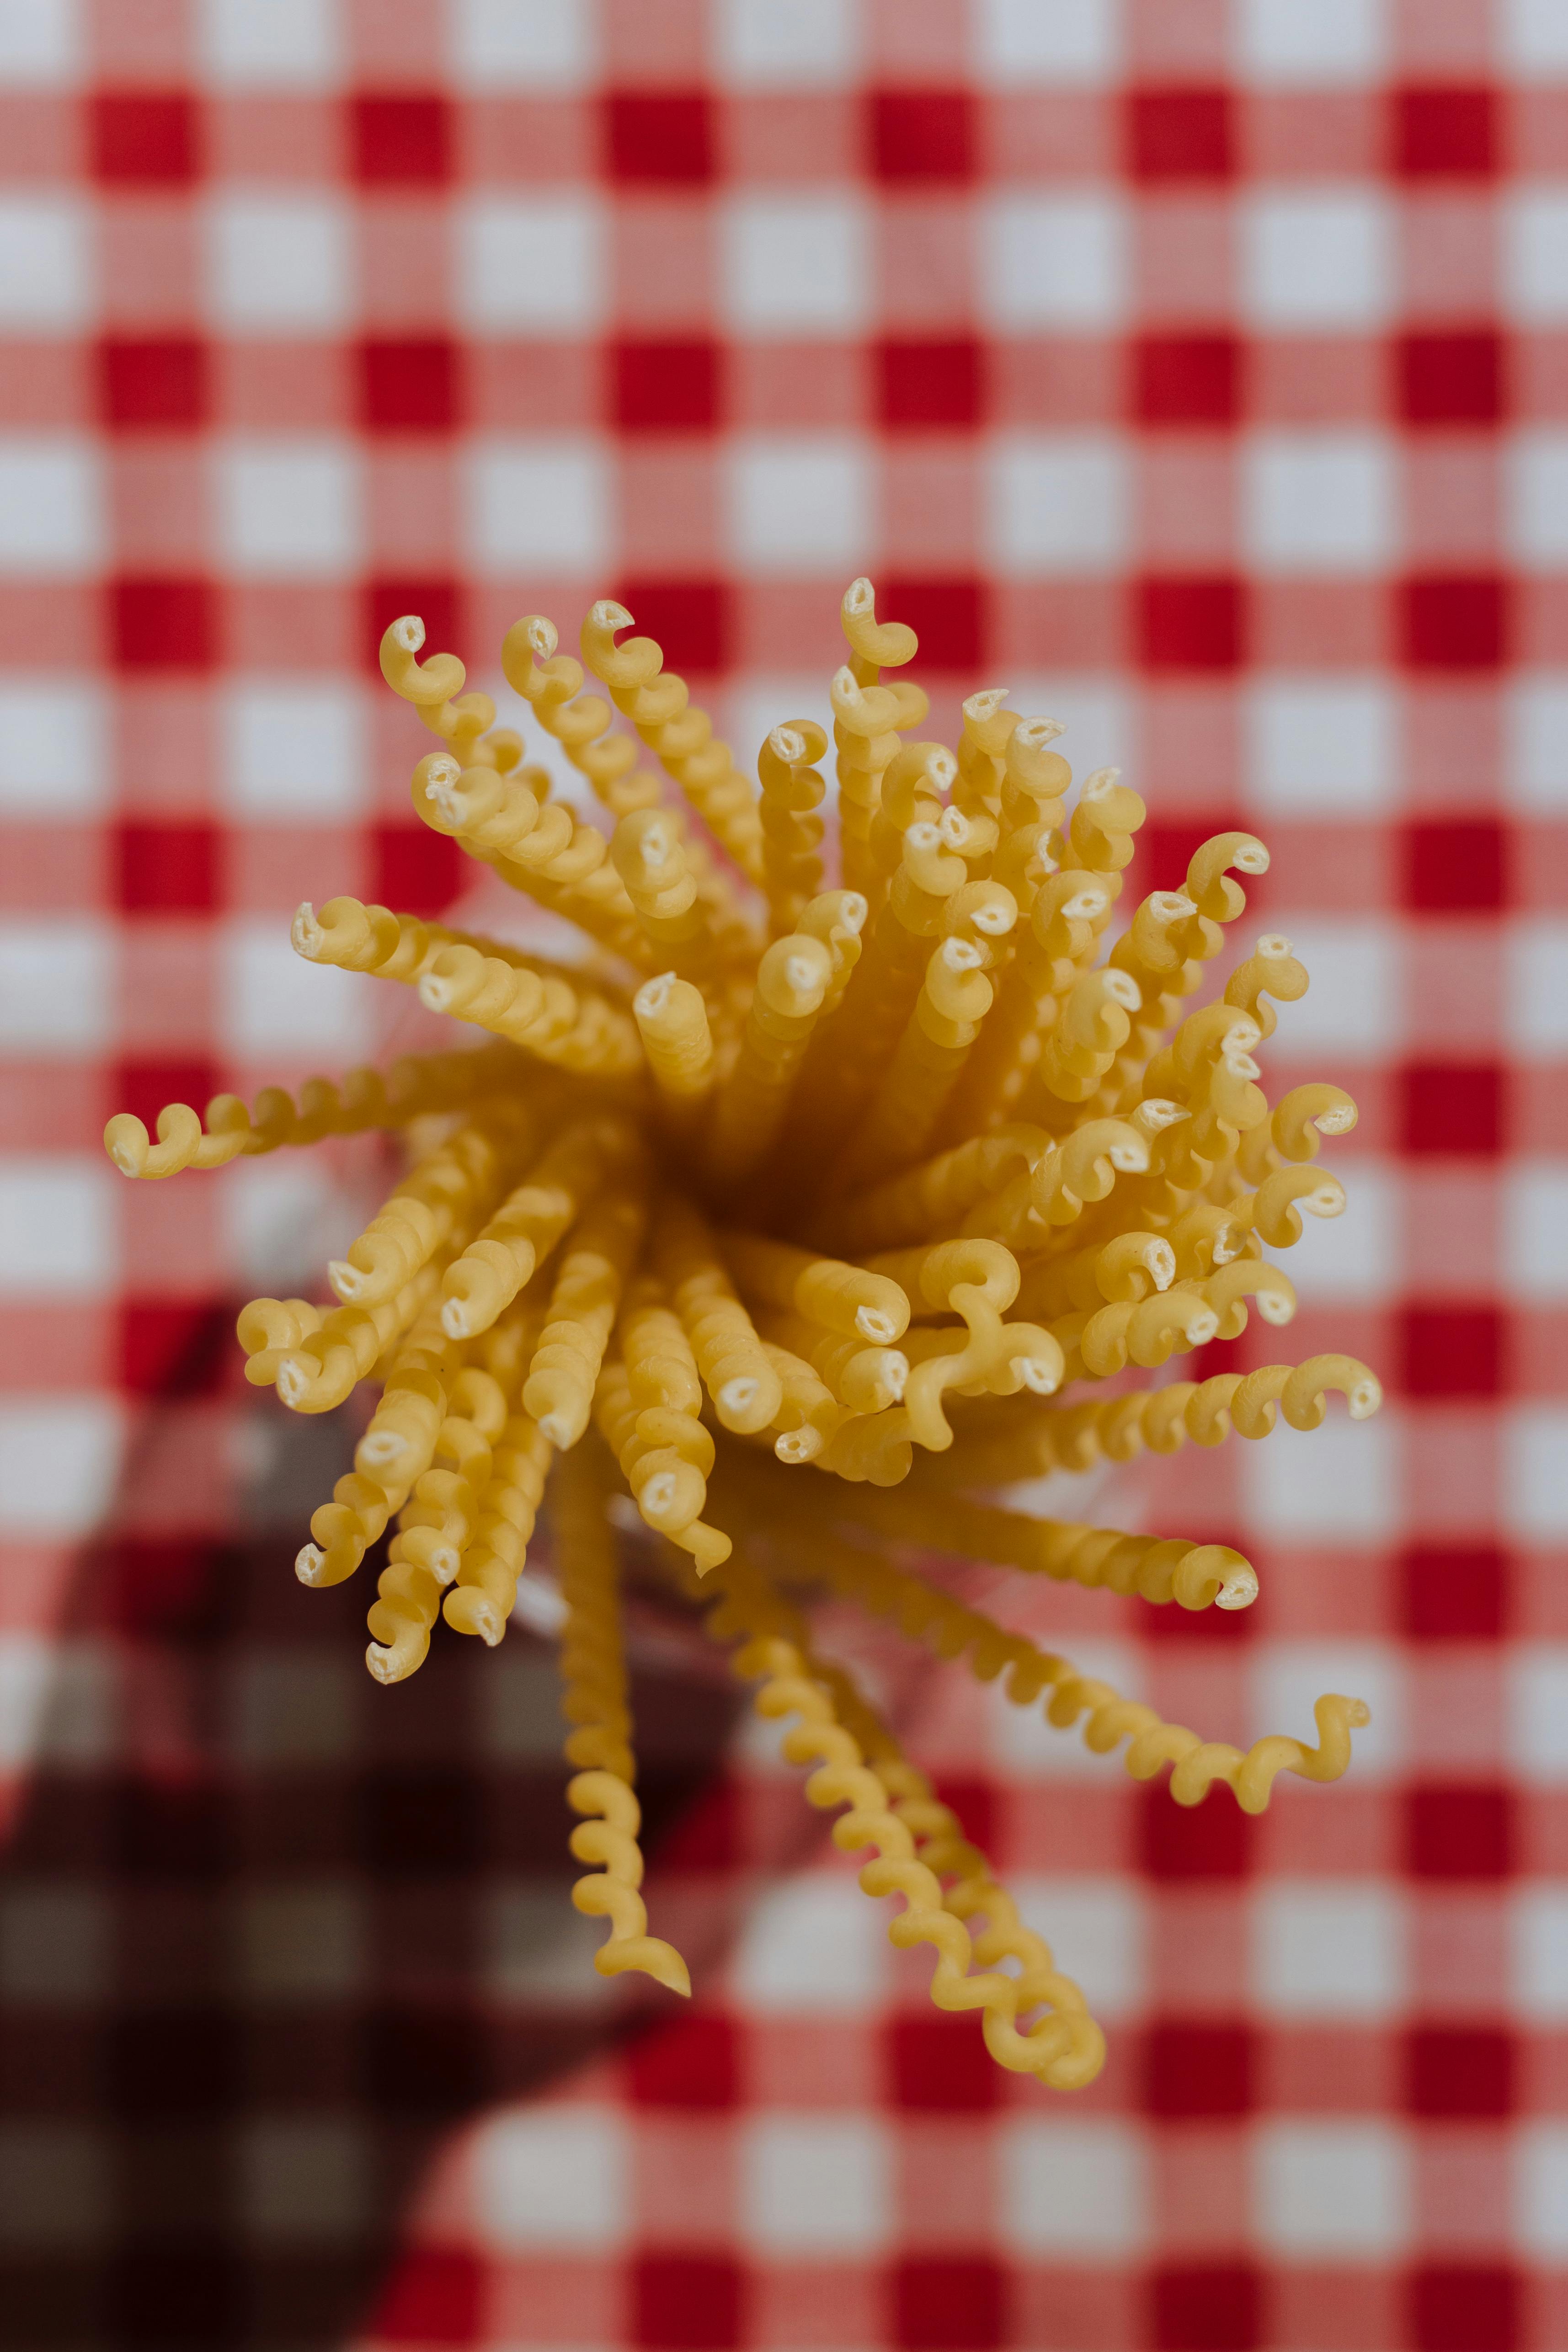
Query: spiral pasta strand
(954, 998)
(480, 1601)
(792, 831)
(480, 1284)
(537, 847)
(564, 1370)
(749, 1109)
(952, 1629)
(648, 1408)
(433, 1527)
(548, 682)
(850, 1299)
(672, 1022)
(1158, 1570)
(443, 1196)
(592, 1661)
(676, 732)
(1064, 2047)
(413, 1087)
(729, 1356)
(867, 726)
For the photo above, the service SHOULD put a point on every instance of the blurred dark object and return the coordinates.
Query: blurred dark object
(270, 1931)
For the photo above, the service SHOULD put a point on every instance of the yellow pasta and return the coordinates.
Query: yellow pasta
(433, 1529)
(680, 735)
(413, 1087)
(548, 682)
(847, 1298)
(927, 1613)
(593, 1663)
(866, 728)
(792, 831)
(1064, 2048)
(749, 1110)
(482, 1282)
(647, 1405)
(843, 1185)
(508, 822)
(564, 1369)
(672, 1022)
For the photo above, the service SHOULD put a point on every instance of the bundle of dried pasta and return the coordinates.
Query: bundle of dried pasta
(817, 1210)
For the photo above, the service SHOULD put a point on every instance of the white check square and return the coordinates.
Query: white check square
(1096, 1930)
(1534, 222)
(59, 1227)
(55, 984)
(1058, 503)
(1534, 36)
(534, 265)
(47, 273)
(1070, 41)
(1536, 966)
(291, 1707)
(1077, 2189)
(553, 2177)
(817, 2186)
(41, 43)
(796, 264)
(1287, 1678)
(1025, 1741)
(304, 2179)
(1536, 1714)
(1312, 44)
(810, 44)
(1535, 1471)
(1535, 475)
(56, 1941)
(1539, 1950)
(1358, 1256)
(1535, 1231)
(1328, 1948)
(56, 1698)
(51, 505)
(1535, 773)
(1317, 261)
(300, 1943)
(811, 1944)
(1336, 1484)
(291, 508)
(1318, 502)
(1054, 261)
(1540, 2190)
(294, 751)
(544, 501)
(279, 264)
(526, 44)
(54, 746)
(801, 503)
(274, 1001)
(287, 44)
(1355, 1001)
(56, 2185)
(1322, 746)
(1333, 2190)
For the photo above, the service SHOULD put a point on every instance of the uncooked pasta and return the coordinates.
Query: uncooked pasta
(814, 1214)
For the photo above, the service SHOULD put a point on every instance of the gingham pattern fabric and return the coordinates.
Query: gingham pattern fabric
(1200, 372)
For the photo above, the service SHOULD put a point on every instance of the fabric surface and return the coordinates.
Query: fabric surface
(1200, 372)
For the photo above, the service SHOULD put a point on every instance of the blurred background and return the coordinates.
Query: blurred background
(1198, 369)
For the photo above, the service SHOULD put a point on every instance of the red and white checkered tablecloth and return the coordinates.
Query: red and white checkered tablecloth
(1199, 370)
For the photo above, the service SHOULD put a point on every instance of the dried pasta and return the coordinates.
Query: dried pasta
(593, 1665)
(819, 1204)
